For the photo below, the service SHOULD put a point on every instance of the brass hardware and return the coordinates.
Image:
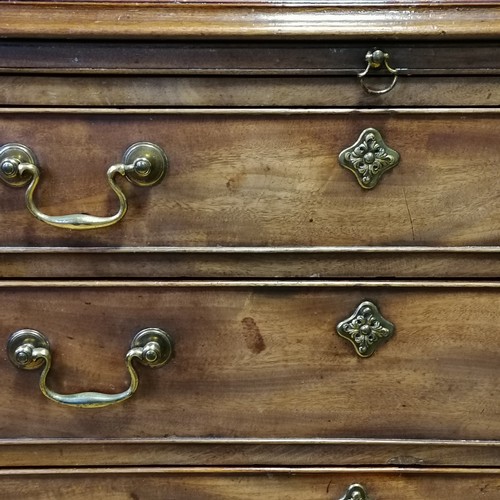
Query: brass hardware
(355, 492)
(375, 60)
(143, 164)
(369, 158)
(29, 349)
(366, 329)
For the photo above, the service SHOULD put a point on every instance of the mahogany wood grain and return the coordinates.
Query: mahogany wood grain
(262, 396)
(281, 484)
(315, 58)
(257, 178)
(265, 20)
(216, 263)
(249, 91)
(258, 361)
(231, 452)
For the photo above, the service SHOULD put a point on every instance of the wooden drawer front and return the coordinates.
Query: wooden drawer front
(246, 58)
(258, 361)
(261, 179)
(234, 91)
(234, 484)
(44, 73)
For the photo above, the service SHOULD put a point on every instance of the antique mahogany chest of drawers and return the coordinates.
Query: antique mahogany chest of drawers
(297, 294)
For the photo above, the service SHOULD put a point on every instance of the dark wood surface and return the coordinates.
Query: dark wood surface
(256, 178)
(216, 262)
(237, 58)
(282, 484)
(73, 452)
(255, 361)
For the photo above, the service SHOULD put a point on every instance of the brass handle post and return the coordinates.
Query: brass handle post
(29, 349)
(355, 492)
(143, 164)
(375, 60)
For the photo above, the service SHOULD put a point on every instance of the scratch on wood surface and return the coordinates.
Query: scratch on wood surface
(409, 215)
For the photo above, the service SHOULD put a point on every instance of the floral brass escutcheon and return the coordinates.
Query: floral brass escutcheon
(355, 492)
(366, 329)
(369, 158)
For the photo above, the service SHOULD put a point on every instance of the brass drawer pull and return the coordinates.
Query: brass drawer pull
(375, 60)
(29, 349)
(355, 492)
(143, 164)
(369, 158)
(366, 329)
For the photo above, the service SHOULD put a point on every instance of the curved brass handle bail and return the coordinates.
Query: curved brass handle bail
(355, 492)
(144, 164)
(374, 60)
(29, 349)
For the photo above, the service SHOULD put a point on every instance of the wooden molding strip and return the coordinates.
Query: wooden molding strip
(250, 250)
(138, 20)
(421, 284)
(255, 111)
(250, 441)
(243, 452)
(247, 470)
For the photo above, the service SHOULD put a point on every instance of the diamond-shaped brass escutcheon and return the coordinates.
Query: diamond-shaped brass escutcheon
(366, 329)
(355, 492)
(369, 158)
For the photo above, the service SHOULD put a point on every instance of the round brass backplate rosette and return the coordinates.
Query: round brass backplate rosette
(11, 156)
(21, 345)
(158, 346)
(148, 164)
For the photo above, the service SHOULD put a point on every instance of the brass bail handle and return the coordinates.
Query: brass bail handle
(29, 349)
(375, 60)
(143, 164)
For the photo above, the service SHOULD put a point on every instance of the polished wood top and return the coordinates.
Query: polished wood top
(257, 19)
